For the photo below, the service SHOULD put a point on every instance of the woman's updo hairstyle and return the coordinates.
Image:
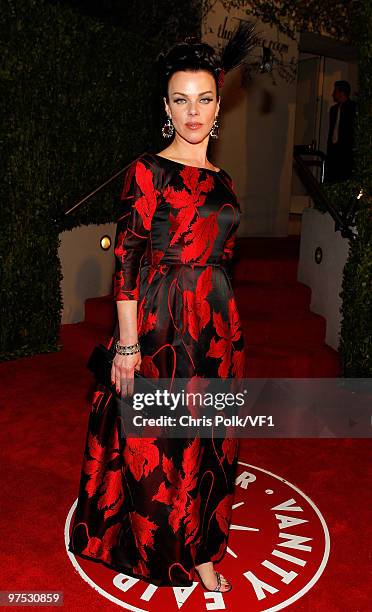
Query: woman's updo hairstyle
(193, 55)
(187, 55)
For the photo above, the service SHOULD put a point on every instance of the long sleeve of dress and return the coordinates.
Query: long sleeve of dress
(139, 200)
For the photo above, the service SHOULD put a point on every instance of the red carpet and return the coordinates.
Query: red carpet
(44, 412)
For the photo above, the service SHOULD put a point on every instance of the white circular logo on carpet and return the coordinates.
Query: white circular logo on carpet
(278, 549)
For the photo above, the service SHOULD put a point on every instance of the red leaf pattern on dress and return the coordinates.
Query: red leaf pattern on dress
(234, 320)
(155, 267)
(180, 224)
(145, 205)
(120, 279)
(220, 349)
(145, 322)
(143, 530)
(94, 464)
(120, 250)
(203, 233)
(177, 495)
(103, 480)
(239, 364)
(191, 179)
(223, 513)
(112, 496)
(196, 308)
(186, 202)
(100, 548)
(229, 448)
(192, 521)
(229, 332)
(141, 455)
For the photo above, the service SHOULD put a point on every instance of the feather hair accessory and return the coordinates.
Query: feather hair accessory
(238, 49)
(236, 52)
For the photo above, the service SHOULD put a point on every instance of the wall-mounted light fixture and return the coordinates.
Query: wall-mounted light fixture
(105, 242)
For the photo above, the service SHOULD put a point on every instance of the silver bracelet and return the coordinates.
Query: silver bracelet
(128, 349)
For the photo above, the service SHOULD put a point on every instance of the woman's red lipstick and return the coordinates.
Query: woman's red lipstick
(193, 125)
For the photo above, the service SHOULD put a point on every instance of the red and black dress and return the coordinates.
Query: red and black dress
(153, 508)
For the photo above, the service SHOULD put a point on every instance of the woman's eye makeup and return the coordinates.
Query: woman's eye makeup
(183, 99)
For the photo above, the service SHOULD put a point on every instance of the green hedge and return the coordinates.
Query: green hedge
(356, 330)
(80, 102)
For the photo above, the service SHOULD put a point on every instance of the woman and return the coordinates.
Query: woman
(159, 509)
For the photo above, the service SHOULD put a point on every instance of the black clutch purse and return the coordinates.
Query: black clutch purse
(100, 363)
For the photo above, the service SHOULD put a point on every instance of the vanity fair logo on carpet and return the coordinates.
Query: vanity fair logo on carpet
(278, 549)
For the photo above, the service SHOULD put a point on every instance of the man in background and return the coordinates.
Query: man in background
(339, 161)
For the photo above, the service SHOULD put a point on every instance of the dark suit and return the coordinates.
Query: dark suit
(340, 154)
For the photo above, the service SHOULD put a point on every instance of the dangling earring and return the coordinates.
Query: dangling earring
(215, 129)
(168, 128)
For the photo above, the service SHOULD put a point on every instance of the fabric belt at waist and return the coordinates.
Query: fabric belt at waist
(221, 266)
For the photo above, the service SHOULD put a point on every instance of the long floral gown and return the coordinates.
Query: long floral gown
(154, 508)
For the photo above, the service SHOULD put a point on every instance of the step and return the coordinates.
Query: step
(265, 270)
(292, 361)
(272, 296)
(301, 326)
(253, 247)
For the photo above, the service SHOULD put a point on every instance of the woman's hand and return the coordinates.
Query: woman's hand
(122, 372)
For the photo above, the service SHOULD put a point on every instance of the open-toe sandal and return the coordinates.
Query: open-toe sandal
(219, 588)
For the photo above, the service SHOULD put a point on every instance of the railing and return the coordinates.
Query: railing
(59, 220)
(99, 188)
(344, 220)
